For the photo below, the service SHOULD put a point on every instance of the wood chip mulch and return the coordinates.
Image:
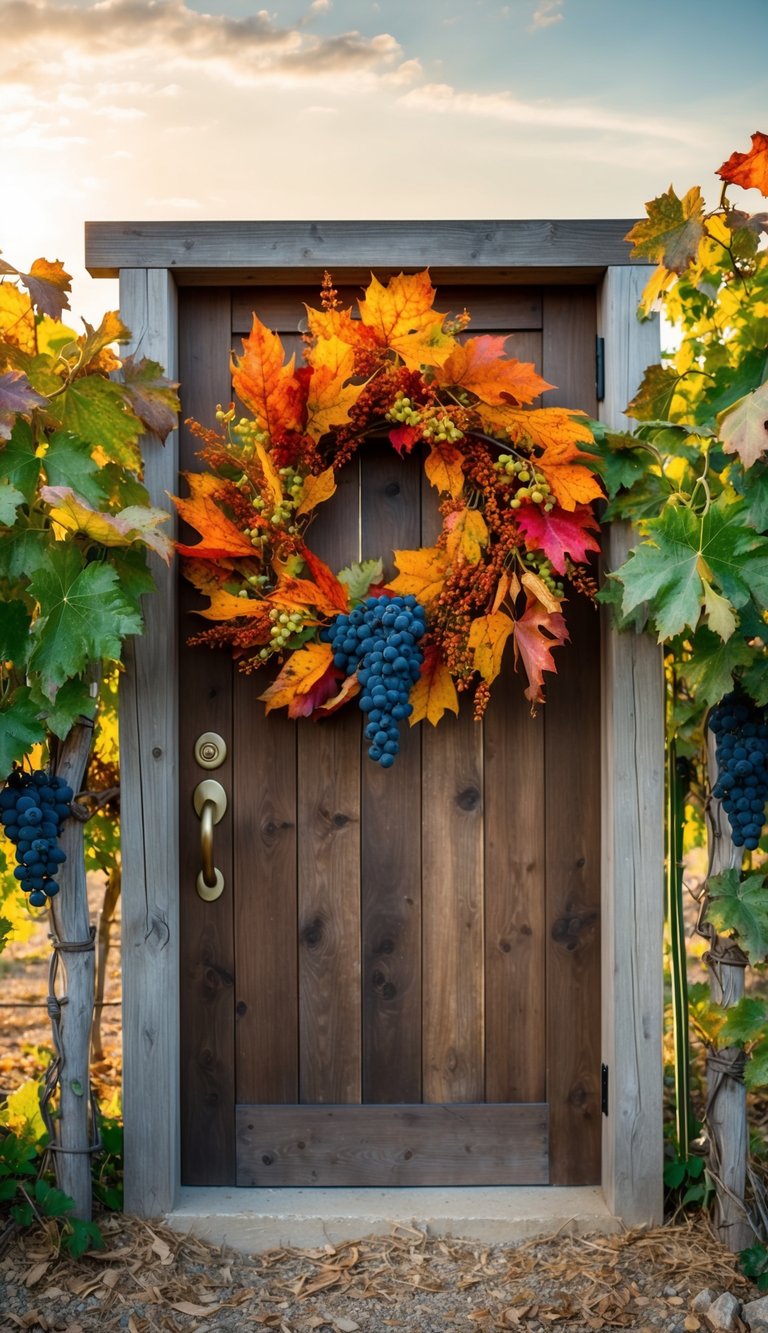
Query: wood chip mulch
(150, 1278)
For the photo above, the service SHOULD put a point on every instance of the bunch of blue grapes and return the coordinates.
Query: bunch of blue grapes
(380, 641)
(742, 765)
(33, 807)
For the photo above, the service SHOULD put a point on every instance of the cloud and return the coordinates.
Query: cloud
(442, 98)
(320, 6)
(548, 13)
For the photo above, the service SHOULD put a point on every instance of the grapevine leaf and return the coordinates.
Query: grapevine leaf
(48, 284)
(20, 728)
(14, 632)
(267, 386)
(434, 691)
(221, 539)
(152, 396)
(537, 632)
(740, 906)
(110, 330)
(487, 638)
(359, 578)
(480, 367)
(17, 319)
(621, 463)
(709, 670)
(330, 395)
(302, 670)
(135, 579)
(756, 496)
(94, 409)
(22, 551)
(136, 524)
(558, 533)
(83, 616)
(443, 467)
(18, 462)
(72, 701)
(756, 1071)
(467, 535)
(10, 499)
(68, 462)
(315, 490)
(721, 616)
(744, 427)
(671, 233)
(421, 573)
(653, 400)
(750, 169)
(745, 1020)
(17, 398)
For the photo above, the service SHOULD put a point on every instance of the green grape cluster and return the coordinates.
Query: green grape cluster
(284, 625)
(404, 411)
(543, 567)
(533, 486)
(441, 428)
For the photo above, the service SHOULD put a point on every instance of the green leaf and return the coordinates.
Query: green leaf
(52, 1202)
(756, 1072)
(745, 1020)
(674, 1174)
(753, 1261)
(708, 672)
(18, 464)
(80, 1236)
(72, 701)
(83, 617)
(756, 496)
(135, 578)
(672, 231)
(20, 728)
(22, 551)
(94, 410)
(10, 499)
(653, 400)
(359, 577)
(68, 462)
(755, 680)
(14, 632)
(740, 906)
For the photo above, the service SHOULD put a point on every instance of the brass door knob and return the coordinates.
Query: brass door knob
(210, 801)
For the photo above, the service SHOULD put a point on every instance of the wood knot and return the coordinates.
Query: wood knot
(578, 1095)
(386, 946)
(312, 933)
(392, 488)
(242, 1008)
(267, 1159)
(569, 929)
(505, 946)
(468, 799)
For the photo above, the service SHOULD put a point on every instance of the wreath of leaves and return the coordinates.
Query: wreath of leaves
(515, 485)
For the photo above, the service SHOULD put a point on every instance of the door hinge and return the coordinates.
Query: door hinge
(604, 1089)
(600, 369)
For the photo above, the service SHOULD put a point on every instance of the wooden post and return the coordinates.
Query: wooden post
(726, 1116)
(72, 927)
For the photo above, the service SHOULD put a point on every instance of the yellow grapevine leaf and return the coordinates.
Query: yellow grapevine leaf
(137, 523)
(17, 318)
(721, 616)
(315, 490)
(301, 671)
(421, 572)
(671, 233)
(467, 535)
(443, 466)
(265, 383)
(401, 317)
(479, 365)
(330, 396)
(434, 691)
(487, 638)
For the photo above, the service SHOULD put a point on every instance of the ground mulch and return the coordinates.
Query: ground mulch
(149, 1278)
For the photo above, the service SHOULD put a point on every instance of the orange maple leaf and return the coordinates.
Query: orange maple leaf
(401, 317)
(221, 538)
(434, 691)
(443, 466)
(558, 433)
(327, 583)
(299, 674)
(536, 633)
(421, 572)
(339, 324)
(228, 606)
(479, 365)
(330, 396)
(298, 594)
(749, 170)
(266, 384)
(487, 638)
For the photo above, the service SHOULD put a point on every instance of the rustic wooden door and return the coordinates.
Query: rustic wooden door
(400, 982)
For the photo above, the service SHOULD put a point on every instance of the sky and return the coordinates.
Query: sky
(316, 109)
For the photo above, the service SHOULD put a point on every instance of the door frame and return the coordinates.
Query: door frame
(150, 259)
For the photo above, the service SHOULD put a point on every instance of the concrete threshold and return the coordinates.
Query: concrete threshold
(254, 1220)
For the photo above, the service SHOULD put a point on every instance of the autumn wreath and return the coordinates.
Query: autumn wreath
(515, 489)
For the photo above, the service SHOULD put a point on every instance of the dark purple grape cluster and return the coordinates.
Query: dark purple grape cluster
(380, 641)
(742, 765)
(33, 807)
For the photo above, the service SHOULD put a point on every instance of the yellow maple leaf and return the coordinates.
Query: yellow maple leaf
(315, 490)
(421, 572)
(479, 365)
(400, 316)
(299, 674)
(266, 383)
(228, 606)
(487, 638)
(339, 324)
(467, 535)
(330, 395)
(434, 691)
(443, 466)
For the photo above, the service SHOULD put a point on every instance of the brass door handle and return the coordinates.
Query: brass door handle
(210, 800)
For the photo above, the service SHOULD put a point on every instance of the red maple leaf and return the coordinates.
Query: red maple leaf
(558, 533)
(749, 169)
(536, 633)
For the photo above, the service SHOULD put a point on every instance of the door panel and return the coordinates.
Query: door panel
(400, 982)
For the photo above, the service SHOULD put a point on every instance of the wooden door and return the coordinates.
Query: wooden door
(400, 983)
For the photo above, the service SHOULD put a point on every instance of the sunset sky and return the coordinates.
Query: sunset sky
(192, 109)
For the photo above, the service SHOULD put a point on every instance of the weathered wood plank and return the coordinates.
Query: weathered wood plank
(391, 826)
(149, 803)
(290, 251)
(632, 825)
(329, 861)
(492, 308)
(205, 704)
(380, 1146)
(266, 922)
